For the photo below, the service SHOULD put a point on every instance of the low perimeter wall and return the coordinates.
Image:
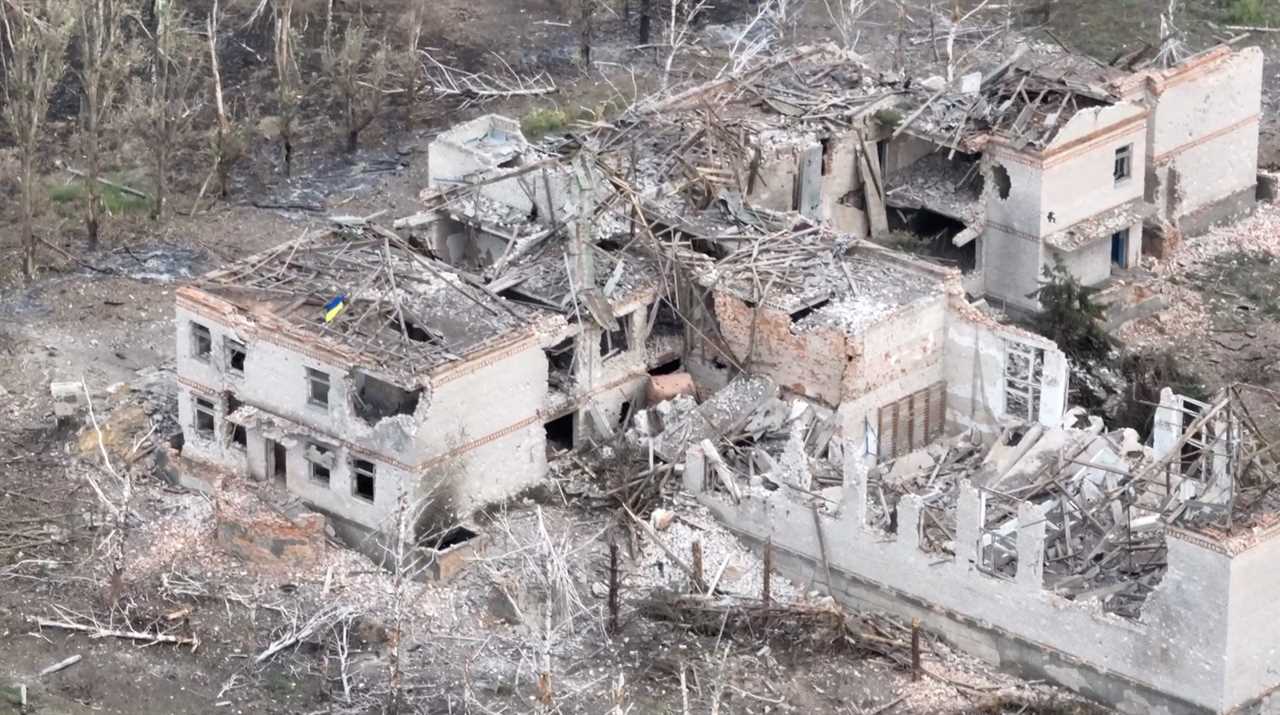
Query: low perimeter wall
(1202, 645)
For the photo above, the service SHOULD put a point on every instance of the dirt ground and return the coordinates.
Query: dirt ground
(106, 319)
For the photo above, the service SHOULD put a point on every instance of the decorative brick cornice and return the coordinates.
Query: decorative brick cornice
(453, 371)
(1017, 233)
(429, 464)
(1227, 545)
(1165, 157)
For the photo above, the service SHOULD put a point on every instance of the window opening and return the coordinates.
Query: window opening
(363, 483)
(201, 342)
(1023, 371)
(1124, 163)
(235, 356)
(320, 460)
(560, 434)
(204, 418)
(317, 387)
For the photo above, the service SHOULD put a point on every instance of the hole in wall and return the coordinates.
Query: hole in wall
(453, 537)
(809, 310)
(667, 368)
(560, 434)
(375, 399)
(1000, 177)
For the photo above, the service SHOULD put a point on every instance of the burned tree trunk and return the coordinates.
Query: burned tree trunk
(646, 9)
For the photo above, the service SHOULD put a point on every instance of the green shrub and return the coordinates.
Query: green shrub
(1254, 12)
(115, 201)
(1069, 317)
(541, 122)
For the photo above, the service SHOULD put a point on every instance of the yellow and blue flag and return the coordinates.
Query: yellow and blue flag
(334, 307)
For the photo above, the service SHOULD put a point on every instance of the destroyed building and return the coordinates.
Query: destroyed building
(1021, 160)
(722, 233)
(350, 411)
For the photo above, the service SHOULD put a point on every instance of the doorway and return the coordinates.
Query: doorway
(1120, 248)
(277, 461)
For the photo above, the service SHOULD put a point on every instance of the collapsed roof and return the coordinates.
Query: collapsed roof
(405, 313)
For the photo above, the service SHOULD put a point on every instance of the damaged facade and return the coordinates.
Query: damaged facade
(351, 414)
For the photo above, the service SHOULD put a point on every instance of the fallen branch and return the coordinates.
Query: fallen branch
(1250, 28)
(73, 259)
(323, 618)
(95, 631)
(61, 665)
(480, 87)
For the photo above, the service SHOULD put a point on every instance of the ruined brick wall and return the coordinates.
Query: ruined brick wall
(895, 357)
(811, 364)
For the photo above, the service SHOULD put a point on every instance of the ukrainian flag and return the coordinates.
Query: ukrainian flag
(334, 307)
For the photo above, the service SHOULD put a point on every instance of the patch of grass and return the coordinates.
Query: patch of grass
(888, 118)
(1265, 13)
(541, 122)
(538, 123)
(115, 201)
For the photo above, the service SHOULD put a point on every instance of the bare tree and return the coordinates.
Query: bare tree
(411, 58)
(581, 14)
(679, 31)
(162, 102)
(288, 78)
(117, 505)
(359, 67)
(227, 145)
(845, 17)
(105, 59)
(35, 38)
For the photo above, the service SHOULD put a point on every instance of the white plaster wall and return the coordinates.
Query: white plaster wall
(1079, 183)
(492, 471)
(775, 182)
(338, 496)
(1091, 263)
(480, 402)
(275, 379)
(1021, 211)
(1254, 612)
(973, 367)
(840, 178)
(219, 449)
(974, 364)
(1012, 266)
(1186, 115)
(1210, 172)
(490, 398)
